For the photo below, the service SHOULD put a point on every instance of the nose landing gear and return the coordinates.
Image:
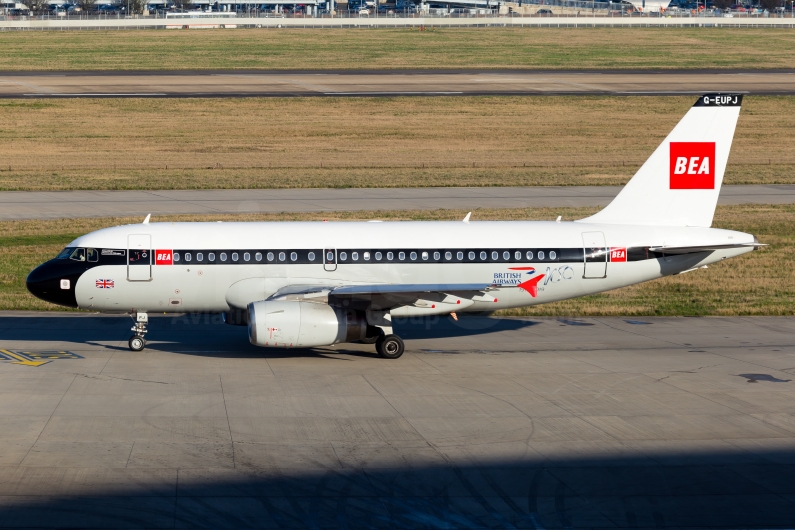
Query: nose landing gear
(137, 342)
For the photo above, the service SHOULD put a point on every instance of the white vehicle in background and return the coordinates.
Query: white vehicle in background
(316, 284)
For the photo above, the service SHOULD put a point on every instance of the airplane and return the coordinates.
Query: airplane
(312, 284)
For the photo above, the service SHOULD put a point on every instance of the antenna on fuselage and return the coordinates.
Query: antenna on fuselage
(146, 221)
(466, 219)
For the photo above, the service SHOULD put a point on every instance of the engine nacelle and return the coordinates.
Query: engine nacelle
(280, 324)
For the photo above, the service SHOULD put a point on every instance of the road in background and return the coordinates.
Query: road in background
(483, 423)
(390, 83)
(72, 204)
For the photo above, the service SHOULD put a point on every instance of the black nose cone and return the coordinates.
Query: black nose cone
(54, 281)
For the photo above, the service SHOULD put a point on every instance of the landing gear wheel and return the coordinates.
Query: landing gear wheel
(389, 346)
(137, 343)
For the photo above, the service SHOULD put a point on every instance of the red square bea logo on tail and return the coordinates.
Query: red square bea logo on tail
(164, 257)
(692, 166)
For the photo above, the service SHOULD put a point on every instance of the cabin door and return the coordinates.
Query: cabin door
(139, 257)
(595, 255)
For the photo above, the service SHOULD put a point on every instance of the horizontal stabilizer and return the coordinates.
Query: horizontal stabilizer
(703, 248)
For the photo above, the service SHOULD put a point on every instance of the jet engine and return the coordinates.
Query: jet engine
(294, 324)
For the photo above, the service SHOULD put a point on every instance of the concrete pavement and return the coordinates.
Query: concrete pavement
(483, 423)
(344, 83)
(71, 204)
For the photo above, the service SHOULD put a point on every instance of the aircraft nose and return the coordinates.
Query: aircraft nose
(53, 282)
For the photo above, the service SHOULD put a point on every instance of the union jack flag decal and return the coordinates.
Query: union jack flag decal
(105, 284)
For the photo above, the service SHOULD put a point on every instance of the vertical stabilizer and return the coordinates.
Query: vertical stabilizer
(680, 182)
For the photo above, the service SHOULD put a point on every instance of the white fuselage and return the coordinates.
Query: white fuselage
(215, 286)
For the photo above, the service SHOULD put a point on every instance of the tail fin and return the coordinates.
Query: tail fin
(680, 182)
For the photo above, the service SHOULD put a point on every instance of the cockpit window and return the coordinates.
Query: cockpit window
(65, 253)
(79, 254)
(92, 254)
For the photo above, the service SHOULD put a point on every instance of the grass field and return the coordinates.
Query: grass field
(375, 142)
(758, 283)
(547, 48)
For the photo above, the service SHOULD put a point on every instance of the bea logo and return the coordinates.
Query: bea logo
(163, 257)
(618, 254)
(692, 166)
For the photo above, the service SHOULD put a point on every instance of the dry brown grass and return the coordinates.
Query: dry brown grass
(758, 283)
(327, 142)
(548, 48)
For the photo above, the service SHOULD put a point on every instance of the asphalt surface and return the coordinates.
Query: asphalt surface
(257, 83)
(483, 423)
(72, 204)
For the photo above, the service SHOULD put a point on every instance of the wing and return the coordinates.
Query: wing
(433, 298)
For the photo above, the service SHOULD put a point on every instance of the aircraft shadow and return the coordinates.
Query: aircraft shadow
(693, 489)
(208, 335)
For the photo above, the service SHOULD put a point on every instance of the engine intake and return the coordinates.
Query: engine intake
(280, 324)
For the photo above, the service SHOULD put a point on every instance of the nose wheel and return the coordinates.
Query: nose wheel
(137, 342)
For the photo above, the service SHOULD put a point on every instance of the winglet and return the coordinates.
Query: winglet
(146, 221)
(466, 219)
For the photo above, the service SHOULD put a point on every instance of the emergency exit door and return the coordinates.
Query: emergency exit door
(595, 255)
(139, 257)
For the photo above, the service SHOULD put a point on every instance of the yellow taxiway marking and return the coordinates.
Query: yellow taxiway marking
(21, 360)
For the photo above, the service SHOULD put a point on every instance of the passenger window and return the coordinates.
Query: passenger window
(258, 256)
(366, 256)
(517, 256)
(552, 254)
(79, 254)
(211, 256)
(425, 255)
(246, 257)
(176, 256)
(390, 256)
(483, 255)
(199, 256)
(495, 255)
(92, 254)
(471, 255)
(187, 256)
(529, 255)
(293, 256)
(540, 254)
(355, 256)
(460, 256)
(378, 256)
(448, 255)
(311, 256)
(235, 256)
(436, 256)
(223, 256)
(270, 256)
(402, 256)
(413, 256)
(283, 256)
(506, 255)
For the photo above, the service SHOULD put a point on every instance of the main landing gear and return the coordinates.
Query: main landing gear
(137, 342)
(389, 346)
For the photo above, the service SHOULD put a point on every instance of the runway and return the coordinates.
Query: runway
(483, 423)
(352, 83)
(18, 205)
